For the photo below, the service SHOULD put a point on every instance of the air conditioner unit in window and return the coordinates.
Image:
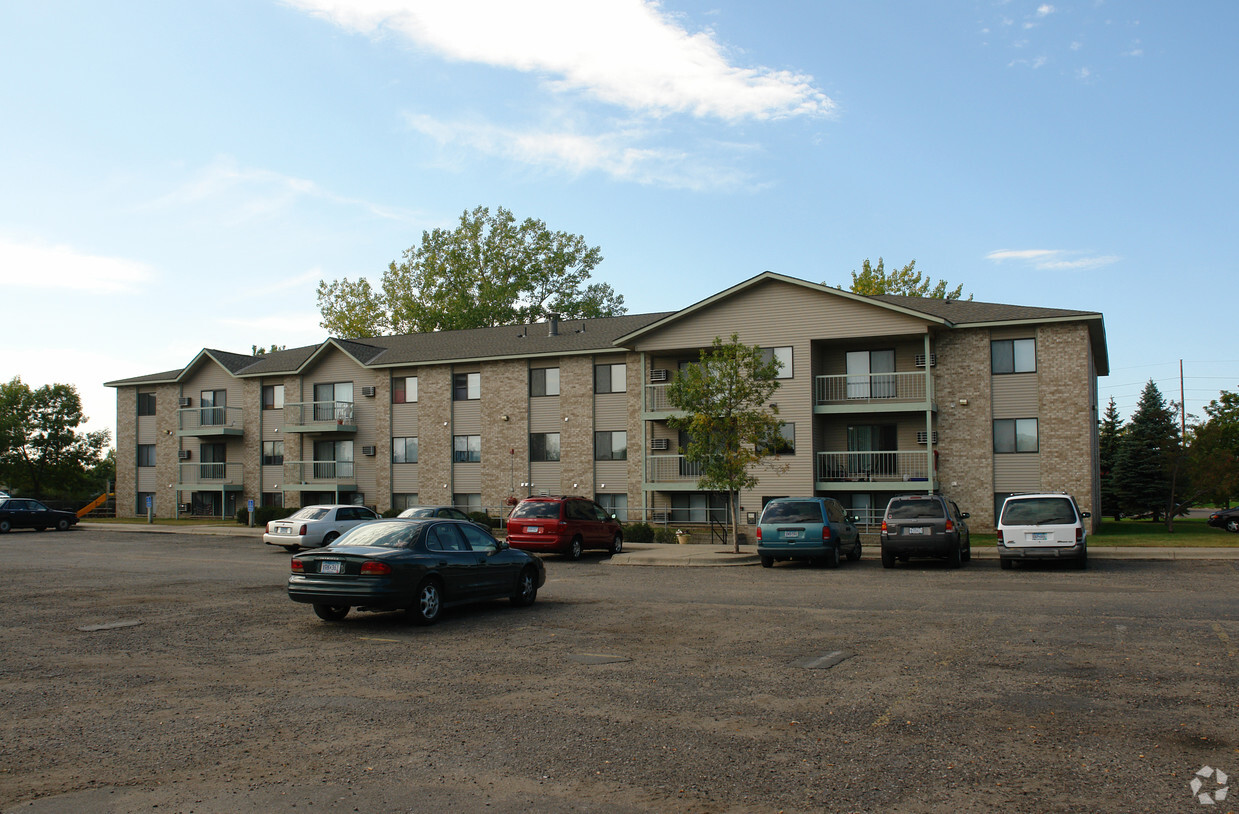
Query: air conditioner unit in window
(920, 437)
(660, 375)
(920, 360)
(186, 401)
(183, 454)
(368, 390)
(367, 450)
(660, 444)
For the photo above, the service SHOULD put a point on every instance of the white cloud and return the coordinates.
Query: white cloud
(1053, 259)
(66, 270)
(624, 52)
(1045, 10)
(616, 153)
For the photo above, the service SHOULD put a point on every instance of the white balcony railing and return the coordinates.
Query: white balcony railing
(209, 420)
(672, 469)
(871, 387)
(873, 466)
(325, 472)
(656, 399)
(211, 476)
(303, 413)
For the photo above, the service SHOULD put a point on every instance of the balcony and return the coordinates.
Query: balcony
(335, 474)
(210, 477)
(671, 469)
(656, 399)
(319, 416)
(873, 470)
(870, 392)
(209, 422)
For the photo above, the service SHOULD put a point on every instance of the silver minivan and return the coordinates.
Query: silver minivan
(1042, 526)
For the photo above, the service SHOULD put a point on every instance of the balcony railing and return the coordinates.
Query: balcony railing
(870, 388)
(324, 472)
(873, 466)
(211, 476)
(320, 416)
(656, 399)
(672, 469)
(206, 421)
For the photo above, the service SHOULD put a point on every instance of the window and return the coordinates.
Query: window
(333, 460)
(783, 356)
(614, 504)
(468, 502)
(544, 381)
(610, 446)
(785, 444)
(213, 404)
(404, 390)
(544, 446)
(273, 397)
(466, 449)
(146, 454)
(1013, 355)
(698, 507)
(273, 499)
(272, 453)
(140, 503)
(466, 386)
(403, 500)
(333, 402)
(213, 461)
(610, 379)
(146, 403)
(870, 374)
(404, 450)
(1015, 435)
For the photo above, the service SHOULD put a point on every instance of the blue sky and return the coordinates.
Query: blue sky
(179, 175)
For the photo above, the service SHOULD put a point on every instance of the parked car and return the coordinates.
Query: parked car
(24, 513)
(420, 565)
(450, 512)
(817, 529)
(563, 524)
(1226, 519)
(921, 525)
(314, 526)
(1042, 526)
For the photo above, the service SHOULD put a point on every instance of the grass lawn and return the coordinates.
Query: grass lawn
(1188, 532)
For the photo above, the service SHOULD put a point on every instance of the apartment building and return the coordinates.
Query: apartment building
(878, 395)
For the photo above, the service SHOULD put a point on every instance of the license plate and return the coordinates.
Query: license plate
(279, 530)
(329, 567)
(793, 534)
(1039, 536)
(532, 529)
(915, 530)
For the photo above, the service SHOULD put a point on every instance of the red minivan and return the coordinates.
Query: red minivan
(563, 524)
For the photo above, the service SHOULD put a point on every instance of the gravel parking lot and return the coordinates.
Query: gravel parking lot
(623, 689)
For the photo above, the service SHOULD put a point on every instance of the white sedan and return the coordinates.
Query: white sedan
(315, 526)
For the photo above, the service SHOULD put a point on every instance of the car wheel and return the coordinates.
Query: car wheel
(1082, 561)
(427, 603)
(832, 558)
(5, 526)
(62, 524)
(330, 538)
(854, 554)
(574, 549)
(1005, 564)
(617, 544)
(968, 551)
(292, 549)
(954, 557)
(526, 589)
(331, 613)
(767, 562)
(1232, 525)
(888, 559)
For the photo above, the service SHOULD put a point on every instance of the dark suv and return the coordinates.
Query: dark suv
(924, 526)
(563, 524)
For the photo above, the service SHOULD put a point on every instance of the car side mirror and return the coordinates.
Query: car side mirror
(502, 544)
(964, 515)
(1086, 514)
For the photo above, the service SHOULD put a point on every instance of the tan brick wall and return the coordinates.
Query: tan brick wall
(127, 449)
(576, 439)
(965, 431)
(505, 444)
(1066, 416)
(292, 443)
(636, 442)
(249, 449)
(434, 454)
(382, 440)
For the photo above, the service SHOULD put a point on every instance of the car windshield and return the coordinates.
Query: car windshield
(1038, 511)
(914, 509)
(803, 511)
(422, 511)
(537, 509)
(383, 535)
(310, 513)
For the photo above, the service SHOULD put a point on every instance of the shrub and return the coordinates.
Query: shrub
(485, 519)
(664, 535)
(263, 514)
(390, 513)
(639, 533)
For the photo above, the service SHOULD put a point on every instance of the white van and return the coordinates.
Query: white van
(1042, 526)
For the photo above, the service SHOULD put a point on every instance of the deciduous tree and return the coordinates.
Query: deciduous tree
(908, 281)
(490, 270)
(41, 451)
(1214, 451)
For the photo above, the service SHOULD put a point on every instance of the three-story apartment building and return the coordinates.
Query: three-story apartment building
(877, 395)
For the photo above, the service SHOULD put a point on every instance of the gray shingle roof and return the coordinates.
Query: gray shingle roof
(965, 312)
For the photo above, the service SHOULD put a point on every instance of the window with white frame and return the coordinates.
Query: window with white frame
(781, 355)
(404, 390)
(273, 397)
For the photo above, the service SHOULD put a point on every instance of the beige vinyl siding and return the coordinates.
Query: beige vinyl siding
(544, 476)
(610, 411)
(272, 475)
(467, 418)
(1017, 473)
(147, 482)
(544, 414)
(334, 367)
(833, 357)
(146, 432)
(404, 476)
(1015, 395)
(467, 478)
(612, 473)
(404, 420)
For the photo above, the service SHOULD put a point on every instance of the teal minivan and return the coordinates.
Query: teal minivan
(817, 529)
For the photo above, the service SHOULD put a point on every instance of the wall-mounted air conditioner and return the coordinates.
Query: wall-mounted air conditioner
(186, 401)
(660, 444)
(660, 375)
(183, 454)
(368, 390)
(920, 437)
(920, 360)
(367, 450)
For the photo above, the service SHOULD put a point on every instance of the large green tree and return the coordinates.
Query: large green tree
(42, 452)
(490, 270)
(727, 416)
(1148, 455)
(872, 280)
(1109, 440)
(1213, 453)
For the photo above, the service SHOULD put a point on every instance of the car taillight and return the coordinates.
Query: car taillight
(883, 525)
(1079, 534)
(304, 528)
(950, 526)
(1000, 538)
(563, 525)
(826, 534)
(759, 534)
(268, 528)
(375, 568)
(297, 565)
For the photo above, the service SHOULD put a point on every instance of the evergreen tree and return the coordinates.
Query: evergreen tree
(1109, 439)
(1147, 456)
